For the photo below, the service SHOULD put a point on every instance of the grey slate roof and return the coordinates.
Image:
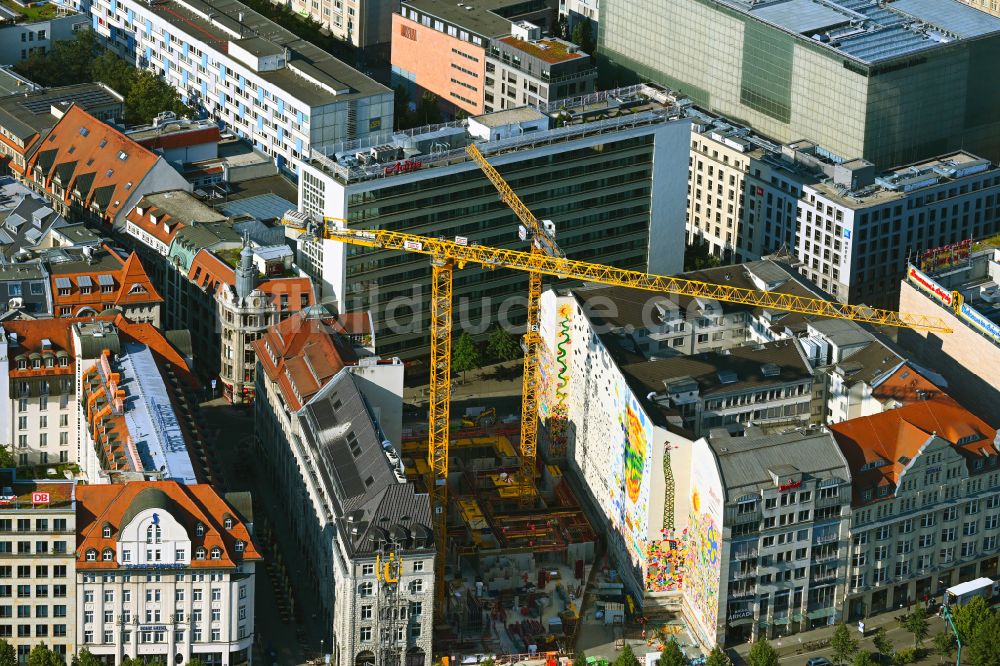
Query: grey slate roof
(746, 462)
(345, 445)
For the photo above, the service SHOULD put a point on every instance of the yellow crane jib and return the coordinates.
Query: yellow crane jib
(542, 233)
(572, 269)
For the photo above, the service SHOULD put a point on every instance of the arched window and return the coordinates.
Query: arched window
(199, 530)
(239, 546)
(228, 523)
(199, 554)
(106, 532)
(216, 553)
(153, 534)
(91, 555)
(109, 555)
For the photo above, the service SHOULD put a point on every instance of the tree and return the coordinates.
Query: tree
(968, 617)
(916, 624)
(697, 256)
(864, 658)
(198, 662)
(944, 644)
(762, 654)
(502, 346)
(882, 643)
(672, 655)
(718, 657)
(428, 112)
(401, 108)
(981, 647)
(8, 655)
(843, 645)
(465, 355)
(582, 36)
(580, 659)
(42, 656)
(627, 657)
(67, 61)
(7, 461)
(148, 96)
(85, 658)
(113, 71)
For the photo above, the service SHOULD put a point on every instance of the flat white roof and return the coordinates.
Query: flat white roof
(969, 586)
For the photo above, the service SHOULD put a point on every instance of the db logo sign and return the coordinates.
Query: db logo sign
(40, 498)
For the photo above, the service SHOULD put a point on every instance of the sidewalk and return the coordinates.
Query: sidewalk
(793, 649)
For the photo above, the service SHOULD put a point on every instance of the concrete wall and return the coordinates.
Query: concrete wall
(969, 361)
(19, 41)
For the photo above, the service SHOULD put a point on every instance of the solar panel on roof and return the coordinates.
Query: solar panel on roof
(63, 283)
(84, 281)
(105, 280)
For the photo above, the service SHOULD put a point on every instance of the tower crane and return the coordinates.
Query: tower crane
(447, 256)
(543, 243)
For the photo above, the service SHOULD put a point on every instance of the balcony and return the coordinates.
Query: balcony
(744, 555)
(743, 575)
(825, 538)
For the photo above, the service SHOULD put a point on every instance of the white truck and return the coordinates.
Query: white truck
(963, 593)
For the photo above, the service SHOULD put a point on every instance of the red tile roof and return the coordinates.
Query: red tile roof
(302, 354)
(897, 435)
(147, 334)
(91, 154)
(163, 230)
(905, 386)
(189, 504)
(182, 139)
(208, 271)
(132, 286)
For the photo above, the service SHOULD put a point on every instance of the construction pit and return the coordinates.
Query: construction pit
(517, 567)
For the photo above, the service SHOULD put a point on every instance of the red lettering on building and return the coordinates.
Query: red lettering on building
(408, 32)
(403, 167)
(791, 485)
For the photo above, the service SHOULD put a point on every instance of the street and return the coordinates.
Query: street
(284, 638)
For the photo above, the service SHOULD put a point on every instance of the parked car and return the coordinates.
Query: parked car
(819, 661)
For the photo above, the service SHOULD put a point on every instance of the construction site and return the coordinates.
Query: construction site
(520, 567)
(516, 570)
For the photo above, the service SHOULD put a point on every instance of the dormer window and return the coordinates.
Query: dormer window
(199, 554)
(36, 363)
(106, 532)
(109, 555)
(199, 530)
(240, 546)
(228, 523)
(22, 364)
(63, 361)
(91, 555)
(216, 553)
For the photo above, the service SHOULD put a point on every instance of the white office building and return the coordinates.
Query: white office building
(275, 90)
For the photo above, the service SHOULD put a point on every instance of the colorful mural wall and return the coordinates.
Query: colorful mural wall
(703, 565)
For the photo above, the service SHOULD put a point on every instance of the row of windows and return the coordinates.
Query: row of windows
(153, 595)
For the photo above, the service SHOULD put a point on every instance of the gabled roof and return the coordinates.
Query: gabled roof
(128, 279)
(897, 435)
(115, 162)
(302, 354)
(190, 505)
(208, 271)
(136, 287)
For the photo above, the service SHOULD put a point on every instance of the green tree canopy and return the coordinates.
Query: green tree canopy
(67, 61)
(502, 346)
(113, 71)
(8, 655)
(580, 658)
(864, 658)
(199, 662)
(85, 658)
(983, 646)
(627, 657)
(969, 616)
(916, 624)
(672, 655)
(883, 645)
(944, 643)
(42, 656)
(843, 645)
(718, 657)
(583, 36)
(465, 355)
(697, 256)
(762, 654)
(148, 96)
